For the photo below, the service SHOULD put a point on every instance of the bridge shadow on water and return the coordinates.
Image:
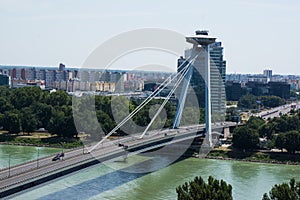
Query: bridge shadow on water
(96, 186)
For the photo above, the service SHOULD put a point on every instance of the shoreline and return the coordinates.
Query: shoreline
(257, 156)
(254, 161)
(37, 140)
(25, 144)
(35, 145)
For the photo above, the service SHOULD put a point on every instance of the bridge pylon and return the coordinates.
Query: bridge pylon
(201, 42)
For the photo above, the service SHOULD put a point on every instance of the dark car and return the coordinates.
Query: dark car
(55, 158)
(58, 156)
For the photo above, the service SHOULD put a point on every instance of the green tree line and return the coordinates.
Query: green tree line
(214, 189)
(29, 108)
(281, 132)
(250, 101)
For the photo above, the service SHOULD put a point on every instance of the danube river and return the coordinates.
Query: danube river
(117, 180)
(14, 154)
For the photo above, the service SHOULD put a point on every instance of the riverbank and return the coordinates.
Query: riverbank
(254, 156)
(40, 140)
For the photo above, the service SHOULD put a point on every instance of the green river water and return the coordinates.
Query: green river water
(112, 180)
(14, 154)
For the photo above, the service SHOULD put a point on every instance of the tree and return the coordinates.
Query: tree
(282, 125)
(292, 141)
(272, 101)
(22, 97)
(107, 124)
(5, 91)
(29, 121)
(5, 105)
(1, 119)
(69, 130)
(59, 98)
(43, 113)
(266, 130)
(289, 141)
(56, 123)
(293, 123)
(245, 138)
(62, 123)
(284, 191)
(255, 122)
(248, 101)
(12, 122)
(199, 190)
(280, 141)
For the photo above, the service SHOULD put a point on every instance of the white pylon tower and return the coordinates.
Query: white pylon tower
(201, 39)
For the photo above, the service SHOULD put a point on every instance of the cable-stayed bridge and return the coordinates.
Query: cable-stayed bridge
(30, 174)
(36, 172)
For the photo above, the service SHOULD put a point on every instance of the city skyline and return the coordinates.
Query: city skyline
(47, 33)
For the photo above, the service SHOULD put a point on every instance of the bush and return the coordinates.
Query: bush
(284, 191)
(199, 190)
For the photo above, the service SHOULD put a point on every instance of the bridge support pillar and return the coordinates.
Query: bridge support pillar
(208, 137)
(182, 98)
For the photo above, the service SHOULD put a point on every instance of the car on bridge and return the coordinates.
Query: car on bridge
(123, 145)
(58, 156)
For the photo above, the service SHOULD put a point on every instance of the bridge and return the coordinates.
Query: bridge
(33, 173)
(29, 174)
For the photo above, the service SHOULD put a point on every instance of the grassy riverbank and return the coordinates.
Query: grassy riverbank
(255, 156)
(40, 139)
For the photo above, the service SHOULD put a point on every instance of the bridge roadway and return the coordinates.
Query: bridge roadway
(277, 111)
(35, 172)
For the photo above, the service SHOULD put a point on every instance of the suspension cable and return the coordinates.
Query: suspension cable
(186, 70)
(147, 100)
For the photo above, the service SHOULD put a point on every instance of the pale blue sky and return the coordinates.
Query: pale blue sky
(256, 34)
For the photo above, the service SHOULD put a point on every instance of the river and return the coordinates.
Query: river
(14, 154)
(116, 180)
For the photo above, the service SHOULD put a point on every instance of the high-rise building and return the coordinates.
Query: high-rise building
(94, 76)
(4, 71)
(69, 75)
(50, 78)
(105, 76)
(268, 74)
(60, 75)
(234, 91)
(4, 80)
(217, 78)
(280, 89)
(30, 73)
(40, 74)
(84, 76)
(61, 67)
(18, 73)
(118, 79)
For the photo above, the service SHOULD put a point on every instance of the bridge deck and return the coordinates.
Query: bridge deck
(30, 173)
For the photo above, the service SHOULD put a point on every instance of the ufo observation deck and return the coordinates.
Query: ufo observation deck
(201, 39)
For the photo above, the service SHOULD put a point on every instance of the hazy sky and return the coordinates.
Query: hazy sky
(256, 34)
